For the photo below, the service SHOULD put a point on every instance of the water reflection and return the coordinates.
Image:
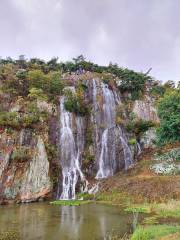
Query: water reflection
(46, 222)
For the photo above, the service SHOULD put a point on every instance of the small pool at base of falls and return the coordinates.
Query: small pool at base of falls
(42, 221)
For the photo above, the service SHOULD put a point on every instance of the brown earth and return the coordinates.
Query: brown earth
(140, 184)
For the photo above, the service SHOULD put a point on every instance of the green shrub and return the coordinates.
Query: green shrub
(21, 154)
(132, 141)
(36, 93)
(9, 119)
(139, 126)
(169, 114)
(19, 120)
(74, 102)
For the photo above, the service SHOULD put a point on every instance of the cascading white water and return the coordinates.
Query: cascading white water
(70, 152)
(107, 162)
(127, 153)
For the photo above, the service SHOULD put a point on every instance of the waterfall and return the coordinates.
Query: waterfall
(127, 153)
(70, 152)
(106, 157)
(108, 119)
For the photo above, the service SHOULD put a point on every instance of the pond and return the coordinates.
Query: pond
(42, 221)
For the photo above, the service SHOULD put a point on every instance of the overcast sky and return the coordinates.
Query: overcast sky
(137, 34)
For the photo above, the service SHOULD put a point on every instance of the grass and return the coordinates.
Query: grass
(174, 236)
(85, 196)
(69, 202)
(138, 209)
(169, 209)
(154, 232)
(150, 220)
(113, 197)
(9, 235)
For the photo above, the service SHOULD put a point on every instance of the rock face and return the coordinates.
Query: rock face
(94, 146)
(144, 109)
(23, 181)
(110, 143)
(36, 181)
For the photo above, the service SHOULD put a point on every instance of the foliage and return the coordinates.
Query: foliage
(132, 141)
(10, 235)
(69, 202)
(143, 209)
(37, 79)
(168, 209)
(85, 196)
(157, 91)
(9, 119)
(51, 151)
(28, 119)
(55, 84)
(21, 154)
(169, 114)
(19, 76)
(139, 126)
(153, 232)
(74, 102)
(37, 93)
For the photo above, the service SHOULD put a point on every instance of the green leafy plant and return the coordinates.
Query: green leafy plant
(169, 114)
(21, 154)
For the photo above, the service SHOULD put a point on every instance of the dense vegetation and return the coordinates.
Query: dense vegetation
(35, 79)
(169, 113)
(19, 76)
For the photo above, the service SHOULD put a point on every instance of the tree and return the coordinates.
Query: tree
(169, 114)
(37, 79)
(79, 59)
(35, 93)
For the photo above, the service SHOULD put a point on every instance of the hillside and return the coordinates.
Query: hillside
(65, 127)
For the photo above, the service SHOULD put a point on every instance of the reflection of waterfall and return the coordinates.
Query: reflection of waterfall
(71, 221)
(70, 152)
(106, 140)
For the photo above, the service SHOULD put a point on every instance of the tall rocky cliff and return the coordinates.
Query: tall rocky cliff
(65, 151)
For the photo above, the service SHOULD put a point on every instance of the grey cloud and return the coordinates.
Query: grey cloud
(133, 33)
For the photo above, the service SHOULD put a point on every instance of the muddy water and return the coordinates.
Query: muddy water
(42, 221)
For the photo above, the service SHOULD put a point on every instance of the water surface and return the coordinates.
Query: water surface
(42, 221)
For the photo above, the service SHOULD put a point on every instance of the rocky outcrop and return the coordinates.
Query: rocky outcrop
(23, 180)
(144, 109)
(90, 146)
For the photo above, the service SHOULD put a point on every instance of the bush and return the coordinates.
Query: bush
(169, 114)
(140, 126)
(36, 93)
(28, 119)
(21, 154)
(9, 119)
(132, 141)
(74, 102)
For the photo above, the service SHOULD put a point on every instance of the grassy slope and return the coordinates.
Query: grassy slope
(140, 185)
